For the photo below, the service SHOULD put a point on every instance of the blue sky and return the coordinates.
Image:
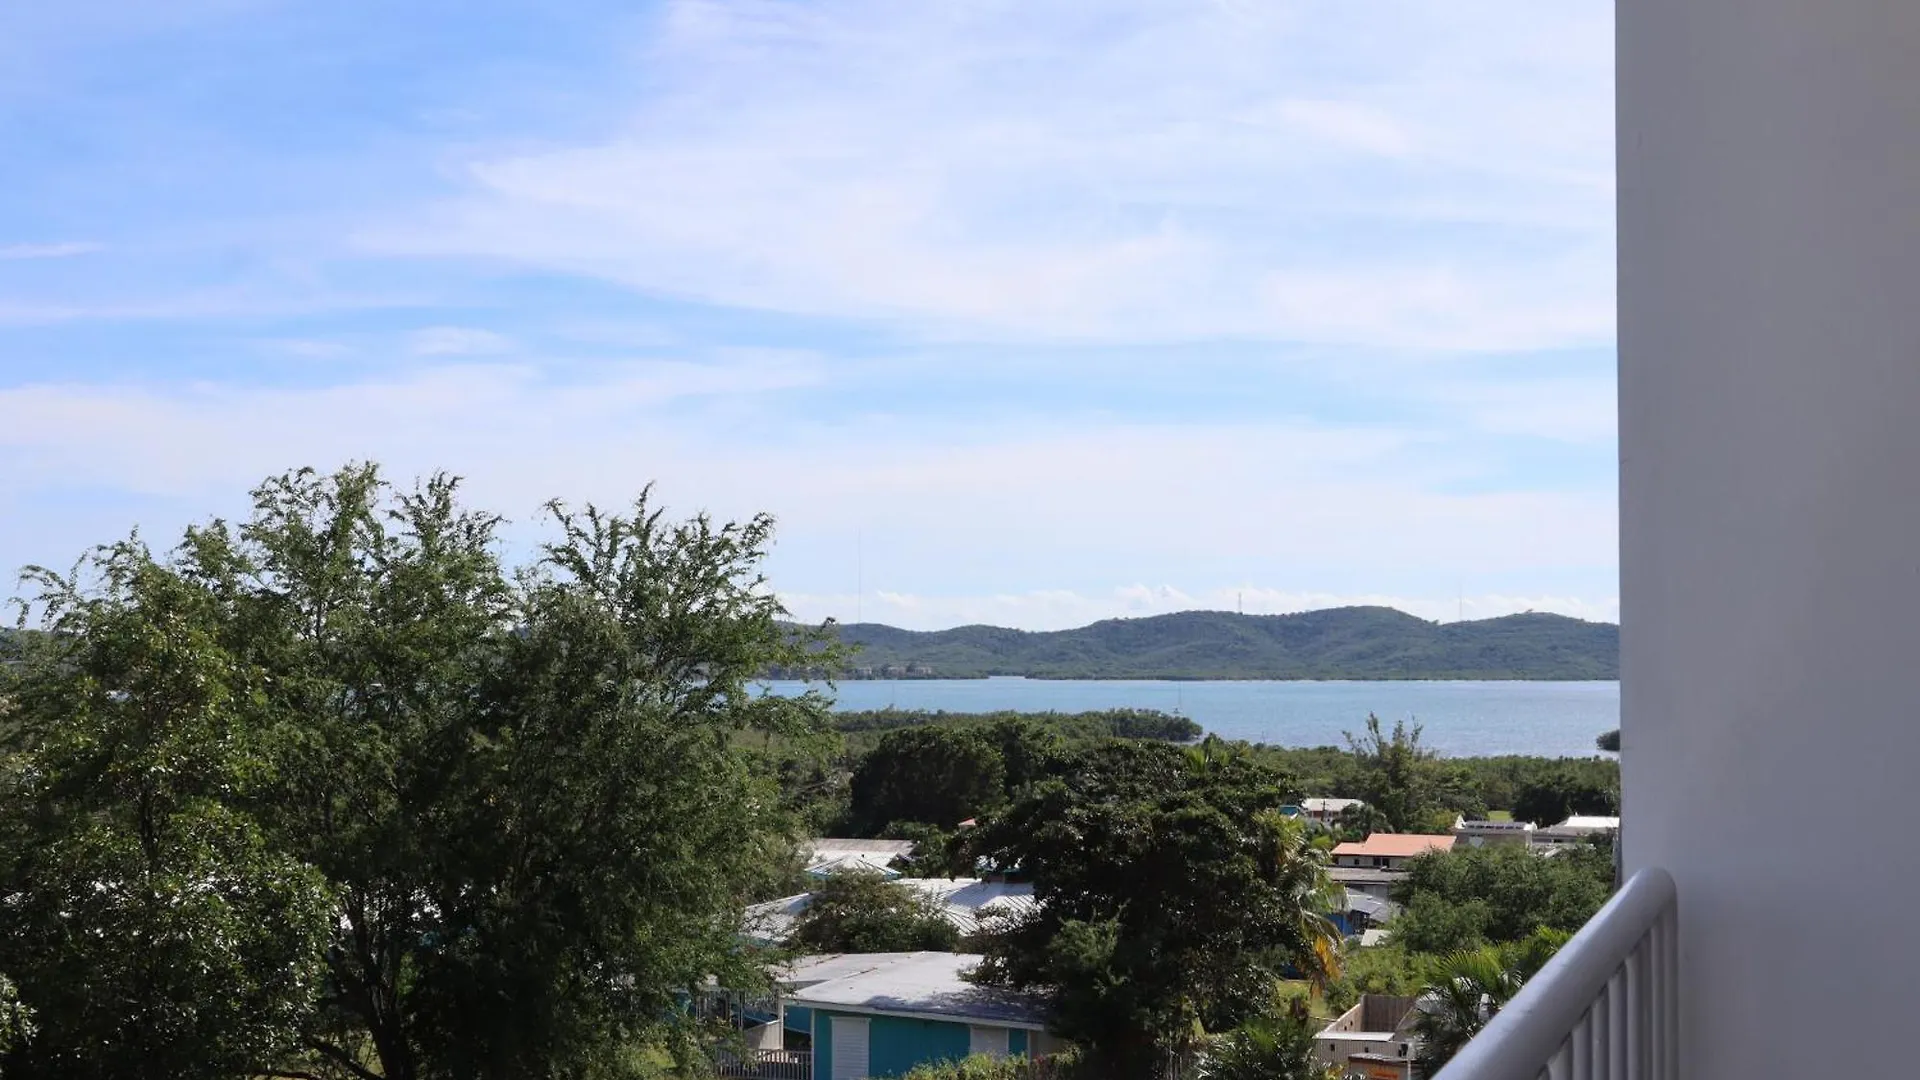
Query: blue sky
(1027, 313)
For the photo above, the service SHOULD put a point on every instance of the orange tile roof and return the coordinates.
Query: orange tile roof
(1396, 845)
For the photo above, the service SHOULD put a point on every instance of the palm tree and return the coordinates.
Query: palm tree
(1296, 871)
(1470, 987)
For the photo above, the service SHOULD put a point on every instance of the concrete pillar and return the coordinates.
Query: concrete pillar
(1769, 163)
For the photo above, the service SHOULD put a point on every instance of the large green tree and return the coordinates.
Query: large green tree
(1172, 892)
(933, 775)
(865, 913)
(1494, 895)
(151, 925)
(1412, 787)
(522, 791)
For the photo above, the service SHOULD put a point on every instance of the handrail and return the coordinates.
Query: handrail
(1614, 983)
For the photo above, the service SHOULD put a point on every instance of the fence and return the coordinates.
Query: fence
(765, 1064)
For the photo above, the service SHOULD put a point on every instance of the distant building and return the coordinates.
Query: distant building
(1321, 811)
(1484, 833)
(1366, 880)
(1576, 830)
(1389, 851)
(1374, 1039)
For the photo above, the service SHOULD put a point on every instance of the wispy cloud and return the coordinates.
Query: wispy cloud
(64, 250)
(1419, 175)
(458, 341)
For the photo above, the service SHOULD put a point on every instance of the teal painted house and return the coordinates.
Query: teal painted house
(881, 1014)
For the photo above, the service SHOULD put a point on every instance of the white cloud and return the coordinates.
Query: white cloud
(941, 504)
(1061, 609)
(1415, 174)
(457, 341)
(63, 250)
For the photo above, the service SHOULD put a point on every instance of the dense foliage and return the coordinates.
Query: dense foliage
(1276, 1045)
(333, 792)
(1077, 726)
(865, 913)
(1498, 894)
(1340, 643)
(1431, 788)
(1172, 894)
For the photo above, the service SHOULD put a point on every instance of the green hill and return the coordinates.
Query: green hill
(1337, 643)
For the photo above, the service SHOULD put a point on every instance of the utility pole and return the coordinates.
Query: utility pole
(859, 574)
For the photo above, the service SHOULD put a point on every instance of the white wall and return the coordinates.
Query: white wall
(1769, 162)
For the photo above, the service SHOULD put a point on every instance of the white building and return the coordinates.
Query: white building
(1374, 1039)
(1576, 830)
(1483, 833)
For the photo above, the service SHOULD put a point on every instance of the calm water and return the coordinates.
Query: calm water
(1461, 718)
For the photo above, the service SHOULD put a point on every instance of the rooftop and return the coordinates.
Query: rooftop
(1580, 822)
(1328, 806)
(920, 984)
(966, 902)
(1396, 845)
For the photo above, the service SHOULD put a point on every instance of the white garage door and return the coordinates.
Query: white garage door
(849, 1048)
(991, 1041)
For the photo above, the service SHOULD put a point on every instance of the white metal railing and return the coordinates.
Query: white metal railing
(765, 1064)
(1606, 1007)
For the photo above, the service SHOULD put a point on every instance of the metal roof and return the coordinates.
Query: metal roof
(966, 903)
(922, 984)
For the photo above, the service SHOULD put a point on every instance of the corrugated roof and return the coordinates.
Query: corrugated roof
(922, 984)
(966, 903)
(831, 847)
(1396, 845)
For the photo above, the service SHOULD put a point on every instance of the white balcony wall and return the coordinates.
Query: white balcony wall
(1769, 165)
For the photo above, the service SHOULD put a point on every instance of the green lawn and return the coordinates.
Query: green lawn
(1499, 815)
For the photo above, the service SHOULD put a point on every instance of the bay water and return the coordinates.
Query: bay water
(1461, 719)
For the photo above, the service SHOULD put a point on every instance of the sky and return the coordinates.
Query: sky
(1028, 313)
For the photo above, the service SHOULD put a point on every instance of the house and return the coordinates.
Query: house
(1365, 879)
(1576, 830)
(1374, 1039)
(1389, 851)
(882, 1014)
(1484, 833)
(965, 902)
(838, 856)
(1327, 811)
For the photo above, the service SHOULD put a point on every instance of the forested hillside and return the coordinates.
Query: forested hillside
(1337, 643)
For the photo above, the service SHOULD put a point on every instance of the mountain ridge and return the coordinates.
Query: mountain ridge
(1330, 643)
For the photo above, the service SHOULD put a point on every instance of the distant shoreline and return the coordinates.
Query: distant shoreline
(1209, 678)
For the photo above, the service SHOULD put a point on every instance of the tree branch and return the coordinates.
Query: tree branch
(342, 1058)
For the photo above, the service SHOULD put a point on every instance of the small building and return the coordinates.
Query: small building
(1389, 851)
(1374, 1039)
(882, 1014)
(1577, 830)
(1485, 833)
(1321, 811)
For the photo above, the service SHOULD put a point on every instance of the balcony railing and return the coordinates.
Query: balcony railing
(1604, 1008)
